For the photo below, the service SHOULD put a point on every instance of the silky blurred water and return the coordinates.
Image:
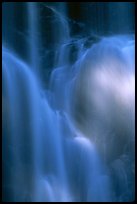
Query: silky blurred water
(68, 102)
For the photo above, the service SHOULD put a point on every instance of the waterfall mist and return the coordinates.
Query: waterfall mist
(68, 102)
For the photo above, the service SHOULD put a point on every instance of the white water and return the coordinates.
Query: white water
(75, 142)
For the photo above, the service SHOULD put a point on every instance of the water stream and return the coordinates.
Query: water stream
(68, 104)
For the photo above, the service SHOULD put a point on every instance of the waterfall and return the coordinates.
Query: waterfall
(68, 103)
(34, 35)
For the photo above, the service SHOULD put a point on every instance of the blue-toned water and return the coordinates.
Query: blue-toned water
(68, 105)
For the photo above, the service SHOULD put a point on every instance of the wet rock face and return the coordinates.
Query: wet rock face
(103, 100)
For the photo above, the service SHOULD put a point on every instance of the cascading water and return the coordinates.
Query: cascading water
(67, 108)
(33, 35)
